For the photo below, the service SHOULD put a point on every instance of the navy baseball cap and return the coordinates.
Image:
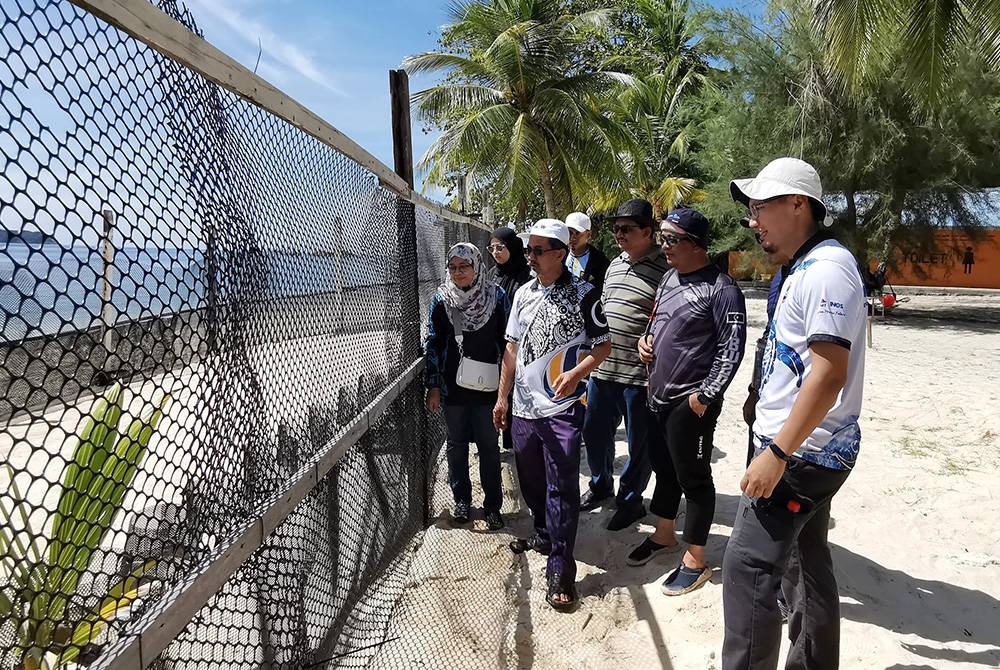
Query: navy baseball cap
(689, 222)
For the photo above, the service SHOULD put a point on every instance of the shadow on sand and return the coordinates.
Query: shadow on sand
(890, 599)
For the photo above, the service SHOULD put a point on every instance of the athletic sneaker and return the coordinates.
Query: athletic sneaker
(644, 553)
(684, 580)
(494, 520)
(460, 514)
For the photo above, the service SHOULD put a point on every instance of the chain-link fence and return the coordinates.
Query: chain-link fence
(214, 450)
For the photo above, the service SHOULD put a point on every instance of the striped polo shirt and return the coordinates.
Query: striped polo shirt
(629, 293)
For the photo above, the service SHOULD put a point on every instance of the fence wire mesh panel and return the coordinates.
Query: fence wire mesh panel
(201, 306)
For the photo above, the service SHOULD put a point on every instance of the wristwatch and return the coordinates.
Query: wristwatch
(779, 452)
(703, 399)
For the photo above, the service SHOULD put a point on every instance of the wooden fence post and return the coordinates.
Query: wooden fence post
(108, 257)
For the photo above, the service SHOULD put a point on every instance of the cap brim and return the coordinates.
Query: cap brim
(578, 229)
(673, 228)
(524, 237)
(745, 190)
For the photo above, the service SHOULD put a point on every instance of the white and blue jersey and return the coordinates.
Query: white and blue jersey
(555, 327)
(822, 300)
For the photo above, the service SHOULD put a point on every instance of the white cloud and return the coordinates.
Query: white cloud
(274, 48)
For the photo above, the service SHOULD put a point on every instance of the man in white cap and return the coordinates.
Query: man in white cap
(556, 335)
(585, 260)
(805, 429)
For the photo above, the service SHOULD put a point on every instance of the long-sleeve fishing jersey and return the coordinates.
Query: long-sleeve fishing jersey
(699, 333)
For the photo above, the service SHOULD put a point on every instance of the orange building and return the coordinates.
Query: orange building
(954, 261)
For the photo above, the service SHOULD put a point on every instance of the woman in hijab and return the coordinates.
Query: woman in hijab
(507, 250)
(513, 272)
(468, 302)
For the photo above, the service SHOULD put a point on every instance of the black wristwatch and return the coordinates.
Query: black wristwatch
(703, 399)
(779, 452)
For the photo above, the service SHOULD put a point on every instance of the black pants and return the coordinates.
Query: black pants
(685, 466)
(770, 543)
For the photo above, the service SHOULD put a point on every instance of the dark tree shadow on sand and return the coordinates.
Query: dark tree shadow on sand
(890, 599)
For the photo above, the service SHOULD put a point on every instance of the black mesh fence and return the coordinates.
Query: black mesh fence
(210, 370)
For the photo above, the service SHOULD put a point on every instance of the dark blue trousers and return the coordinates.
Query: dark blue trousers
(607, 403)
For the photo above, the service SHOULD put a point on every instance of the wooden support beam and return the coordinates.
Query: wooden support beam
(151, 26)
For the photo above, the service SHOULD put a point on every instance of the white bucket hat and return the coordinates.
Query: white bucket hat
(782, 176)
(551, 228)
(578, 221)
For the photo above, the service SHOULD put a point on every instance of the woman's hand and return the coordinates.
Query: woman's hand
(433, 400)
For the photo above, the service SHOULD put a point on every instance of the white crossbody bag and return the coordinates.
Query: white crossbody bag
(472, 374)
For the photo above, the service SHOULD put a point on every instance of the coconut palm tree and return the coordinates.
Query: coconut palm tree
(864, 38)
(665, 53)
(518, 109)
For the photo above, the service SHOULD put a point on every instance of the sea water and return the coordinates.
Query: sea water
(47, 288)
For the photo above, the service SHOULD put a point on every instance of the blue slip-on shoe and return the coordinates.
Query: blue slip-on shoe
(684, 580)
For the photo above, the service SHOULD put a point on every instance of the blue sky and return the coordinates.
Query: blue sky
(333, 56)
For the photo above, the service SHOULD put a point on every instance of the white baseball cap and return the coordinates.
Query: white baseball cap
(782, 176)
(551, 228)
(578, 221)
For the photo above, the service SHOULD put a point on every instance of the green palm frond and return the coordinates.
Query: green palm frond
(445, 99)
(594, 20)
(119, 598)
(675, 191)
(934, 27)
(859, 36)
(444, 62)
(105, 460)
(984, 18)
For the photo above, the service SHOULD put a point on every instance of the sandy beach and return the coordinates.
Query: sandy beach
(916, 538)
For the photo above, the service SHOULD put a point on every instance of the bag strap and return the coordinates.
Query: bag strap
(458, 323)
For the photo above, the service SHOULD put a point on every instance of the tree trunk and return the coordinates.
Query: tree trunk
(547, 190)
(851, 213)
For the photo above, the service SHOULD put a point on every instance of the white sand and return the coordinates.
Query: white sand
(916, 540)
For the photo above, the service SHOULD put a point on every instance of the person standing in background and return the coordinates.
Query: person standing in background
(618, 387)
(507, 250)
(513, 272)
(585, 260)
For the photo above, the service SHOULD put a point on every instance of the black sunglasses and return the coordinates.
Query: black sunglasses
(670, 239)
(536, 251)
(624, 230)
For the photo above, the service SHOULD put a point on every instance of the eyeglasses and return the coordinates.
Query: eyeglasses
(755, 207)
(459, 268)
(496, 247)
(623, 230)
(536, 251)
(669, 239)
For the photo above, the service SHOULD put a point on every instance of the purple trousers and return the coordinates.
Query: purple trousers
(547, 455)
